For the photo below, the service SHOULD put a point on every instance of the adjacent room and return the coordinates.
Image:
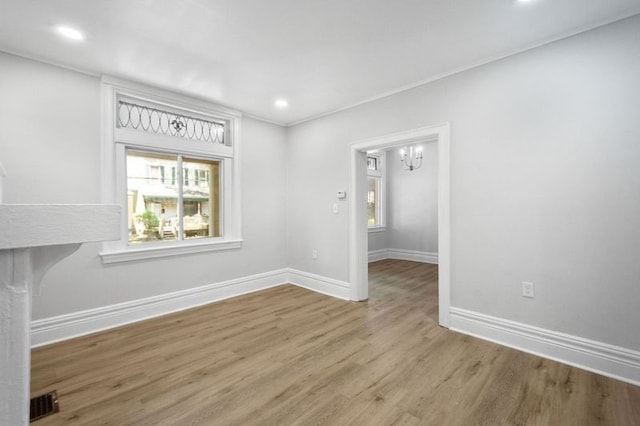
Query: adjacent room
(302, 212)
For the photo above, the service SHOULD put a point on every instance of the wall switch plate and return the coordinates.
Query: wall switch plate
(335, 207)
(314, 254)
(528, 289)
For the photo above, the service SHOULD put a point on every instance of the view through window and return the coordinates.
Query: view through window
(375, 184)
(373, 200)
(171, 197)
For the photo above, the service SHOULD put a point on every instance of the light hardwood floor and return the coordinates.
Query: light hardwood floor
(292, 356)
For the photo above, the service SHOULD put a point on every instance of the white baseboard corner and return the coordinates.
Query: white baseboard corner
(608, 360)
(375, 255)
(55, 329)
(401, 254)
(320, 284)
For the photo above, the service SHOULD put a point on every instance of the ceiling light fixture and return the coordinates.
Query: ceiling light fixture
(281, 103)
(70, 33)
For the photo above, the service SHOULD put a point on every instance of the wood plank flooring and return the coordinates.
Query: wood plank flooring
(289, 356)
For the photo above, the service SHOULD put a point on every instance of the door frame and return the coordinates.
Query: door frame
(358, 239)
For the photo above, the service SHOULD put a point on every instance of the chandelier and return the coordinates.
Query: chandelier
(410, 155)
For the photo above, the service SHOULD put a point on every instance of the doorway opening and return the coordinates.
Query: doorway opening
(358, 226)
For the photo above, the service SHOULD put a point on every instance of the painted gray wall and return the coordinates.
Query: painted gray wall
(378, 240)
(50, 145)
(412, 203)
(545, 183)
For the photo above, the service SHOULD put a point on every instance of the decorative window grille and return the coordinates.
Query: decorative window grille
(154, 141)
(153, 120)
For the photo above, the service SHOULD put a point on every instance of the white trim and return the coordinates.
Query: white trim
(63, 327)
(444, 224)
(380, 174)
(494, 58)
(156, 95)
(624, 15)
(376, 229)
(115, 142)
(264, 120)
(358, 256)
(55, 329)
(375, 255)
(320, 284)
(153, 252)
(3, 174)
(602, 358)
(135, 139)
(401, 254)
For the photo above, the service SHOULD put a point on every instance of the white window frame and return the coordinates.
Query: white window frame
(380, 173)
(116, 141)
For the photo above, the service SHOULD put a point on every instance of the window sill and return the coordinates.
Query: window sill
(133, 254)
(377, 228)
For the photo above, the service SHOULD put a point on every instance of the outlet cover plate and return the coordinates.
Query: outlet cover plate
(528, 289)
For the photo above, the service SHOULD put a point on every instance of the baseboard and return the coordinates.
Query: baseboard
(401, 254)
(63, 327)
(55, 329)
(375, 255)
(320, 284)
(608, 360)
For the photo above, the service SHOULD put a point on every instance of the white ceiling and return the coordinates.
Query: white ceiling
(320, 55)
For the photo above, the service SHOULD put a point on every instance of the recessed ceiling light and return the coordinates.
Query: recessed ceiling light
(281, 103)
(70, 33)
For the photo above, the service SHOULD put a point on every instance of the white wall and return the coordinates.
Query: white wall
(378, 240)
(545, 183)
(50, 147)
(412, 202)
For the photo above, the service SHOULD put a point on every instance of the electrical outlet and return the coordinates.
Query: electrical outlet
(314, 254)
(528, 289)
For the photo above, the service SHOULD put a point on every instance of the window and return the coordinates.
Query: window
(185, 173)
(202, 177)
(372, 163)
(373, 200)
(158, 211)
(171, 164)
(375, 191)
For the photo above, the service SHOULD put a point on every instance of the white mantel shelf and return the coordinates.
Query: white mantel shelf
(37, 225)
(33, 237)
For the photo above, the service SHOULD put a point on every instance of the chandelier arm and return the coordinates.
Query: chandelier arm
(406, 160)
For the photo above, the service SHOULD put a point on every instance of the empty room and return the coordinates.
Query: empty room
(218, 212)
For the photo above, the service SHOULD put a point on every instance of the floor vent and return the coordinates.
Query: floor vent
(43, 405)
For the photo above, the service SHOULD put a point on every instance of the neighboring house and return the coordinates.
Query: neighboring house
(153, 186)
